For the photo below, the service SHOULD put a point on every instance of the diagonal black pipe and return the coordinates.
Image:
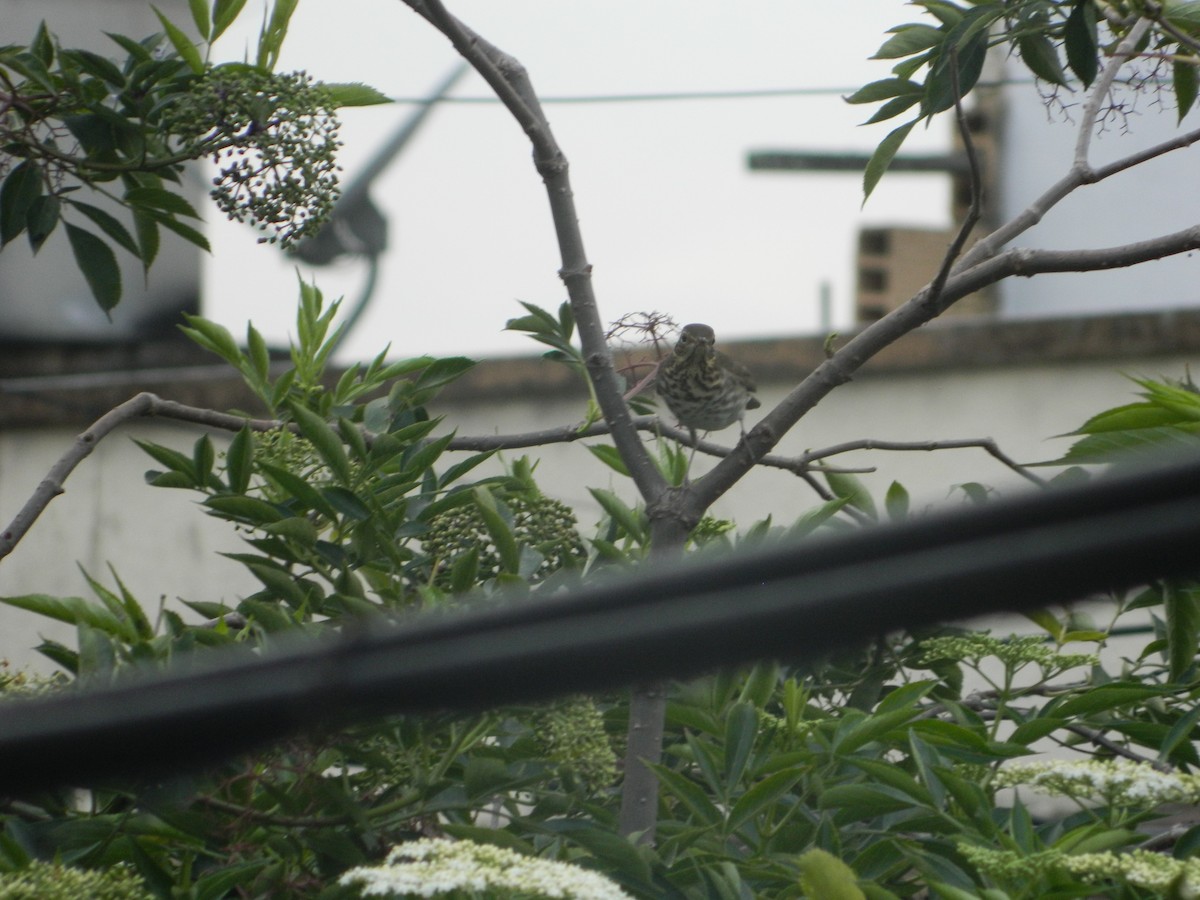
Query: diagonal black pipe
(667, 621)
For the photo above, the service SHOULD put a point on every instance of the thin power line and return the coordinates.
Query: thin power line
(675, 96)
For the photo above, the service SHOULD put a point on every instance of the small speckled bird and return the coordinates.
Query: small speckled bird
(704, 388)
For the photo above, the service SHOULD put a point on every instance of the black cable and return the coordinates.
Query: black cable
(666, 621)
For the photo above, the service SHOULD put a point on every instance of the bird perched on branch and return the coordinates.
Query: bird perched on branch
(704, 388)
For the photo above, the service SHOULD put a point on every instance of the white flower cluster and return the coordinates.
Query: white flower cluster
(1118, 782)
(432, 866)
(1014, 652)
(1139, 868)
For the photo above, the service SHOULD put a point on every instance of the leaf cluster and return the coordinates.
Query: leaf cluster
(77, 124)
(940, 59)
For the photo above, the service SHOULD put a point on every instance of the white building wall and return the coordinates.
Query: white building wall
(1037, 147)
(164, 546)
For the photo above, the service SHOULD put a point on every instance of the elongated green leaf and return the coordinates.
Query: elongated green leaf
(161, 199)
(250, 510)
(864, 801)
(173, 460)
(1105, 697)
(224, 14)
(886, 89)
(909, 39)
(741, 730)
(690, 794)
(239, 460)
(326, 441)
(896, 502)
(270, 40)
(883, 156)
(202, 16)
(762, 795)
(21, 188)
(855, 493)
(1184, 79)
(1081, 41)
(42, 219)
(73, 610)
(501, 534)
(1181, 731)
(187, 232)
(98, 264)
(110, 225)
(609, 455)
(354, 94)
(213, 336)
(1182, 606)
(182, 44)
(625, 516)
(1041, 57)
(303, 492)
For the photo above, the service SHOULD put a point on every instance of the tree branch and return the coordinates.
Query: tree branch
(142, 405)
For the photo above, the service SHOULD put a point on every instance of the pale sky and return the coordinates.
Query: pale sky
(672, 219)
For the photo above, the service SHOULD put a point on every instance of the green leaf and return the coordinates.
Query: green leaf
(187, 232)
(1180, 732)
(42, 219)
(251, 510)
(347, 503)
(98, 264)
(1105, 697)
(1182, 607)
(160, 199)
(182, 44)
(294, 528)
(172, 459)
(896, 502)
(1041, 58)
(1080, 39)
(625, 516)
(886, 89)
(853, 491)
(20, 189)
(307, 495)
(610, 456)
(762, 794)
(1184, 80)
(741, 730)
(690, 794)
(202, 16)
(864, 801)
(501, 534)
(110, 225)
(354, 93)
(214, 337)
(909, 39)
(239, 460)
(270, 39)
(72, 610)
(464, 570)
(883, 156)
(148, 238)
(326, 441)
(224, 14)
